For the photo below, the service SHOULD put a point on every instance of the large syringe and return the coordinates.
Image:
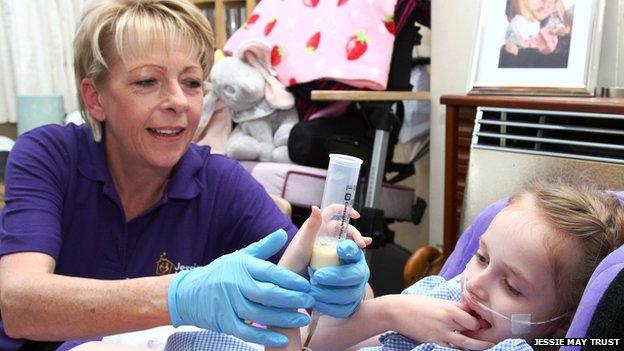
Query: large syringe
(336, 206)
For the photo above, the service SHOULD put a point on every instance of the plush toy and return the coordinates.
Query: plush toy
(256, 101)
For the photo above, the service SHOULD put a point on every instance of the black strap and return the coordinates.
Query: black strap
(608, 319)
(40, 345)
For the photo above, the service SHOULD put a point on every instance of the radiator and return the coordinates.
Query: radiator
(511, 146)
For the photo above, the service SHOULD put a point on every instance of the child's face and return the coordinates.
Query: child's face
(511, 274)
(534, 5)
(549, 4)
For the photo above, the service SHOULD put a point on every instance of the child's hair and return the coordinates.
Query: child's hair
(522, 9)
(579, 210)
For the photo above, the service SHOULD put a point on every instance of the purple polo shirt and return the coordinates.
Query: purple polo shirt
(61, 201)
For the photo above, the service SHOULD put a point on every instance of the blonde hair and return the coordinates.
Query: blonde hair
(112, 29)
(578, 210)
(521, 8)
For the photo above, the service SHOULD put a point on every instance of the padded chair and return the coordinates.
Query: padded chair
(600, 313)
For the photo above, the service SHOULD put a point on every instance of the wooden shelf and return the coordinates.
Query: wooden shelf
(219, 8)
(365, 95)
(578, 104)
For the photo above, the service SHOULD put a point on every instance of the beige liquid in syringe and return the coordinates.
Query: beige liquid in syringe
(324, 255)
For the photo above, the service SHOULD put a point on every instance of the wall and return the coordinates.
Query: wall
(454, 25)
(408, 235)
(611, 71)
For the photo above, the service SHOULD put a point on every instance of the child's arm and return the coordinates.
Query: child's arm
(445, 321)
(339, 334)
(418, 317)
(297, 258)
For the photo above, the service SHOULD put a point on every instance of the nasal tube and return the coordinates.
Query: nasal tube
(520, 322)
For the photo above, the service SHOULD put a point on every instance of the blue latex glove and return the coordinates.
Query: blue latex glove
(338, 290)
(238, 287)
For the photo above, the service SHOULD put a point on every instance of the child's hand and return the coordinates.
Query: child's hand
(298, 253)
(511, 48)
(330, 224)
(434, 320)
(297, 256)
(560, 29)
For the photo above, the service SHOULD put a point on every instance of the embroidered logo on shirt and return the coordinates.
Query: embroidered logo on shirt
(163, 265)
(166, 266)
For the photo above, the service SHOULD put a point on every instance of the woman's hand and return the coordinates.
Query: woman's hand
(238, 287)
(338, 290)
(434, 320)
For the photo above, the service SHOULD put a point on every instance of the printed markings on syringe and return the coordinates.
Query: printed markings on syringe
(344, 219)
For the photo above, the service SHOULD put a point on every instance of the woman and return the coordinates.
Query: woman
(97, 219)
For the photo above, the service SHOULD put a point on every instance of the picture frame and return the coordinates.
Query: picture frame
(532, 47)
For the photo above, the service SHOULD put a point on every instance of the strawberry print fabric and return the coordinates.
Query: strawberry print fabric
(349, 41)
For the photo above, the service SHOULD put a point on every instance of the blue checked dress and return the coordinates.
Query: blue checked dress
(432, 286)
(436, 287)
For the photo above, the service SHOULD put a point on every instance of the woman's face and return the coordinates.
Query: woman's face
(512, 274)
(151, 107)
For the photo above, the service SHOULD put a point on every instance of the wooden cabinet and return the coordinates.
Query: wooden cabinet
(225, 16)
(460, 115)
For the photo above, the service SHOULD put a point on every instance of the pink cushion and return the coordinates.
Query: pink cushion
(303, 186)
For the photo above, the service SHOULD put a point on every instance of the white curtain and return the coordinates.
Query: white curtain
(36, 55)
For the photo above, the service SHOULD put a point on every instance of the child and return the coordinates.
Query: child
(523, 26)
(525, 280)
(556, 19)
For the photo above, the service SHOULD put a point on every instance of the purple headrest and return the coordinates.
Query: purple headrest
(600, 280)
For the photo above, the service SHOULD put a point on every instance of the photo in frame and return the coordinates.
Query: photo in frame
(537, 47)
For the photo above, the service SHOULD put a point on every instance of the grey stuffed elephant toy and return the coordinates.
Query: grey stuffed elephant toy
(261, 107)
